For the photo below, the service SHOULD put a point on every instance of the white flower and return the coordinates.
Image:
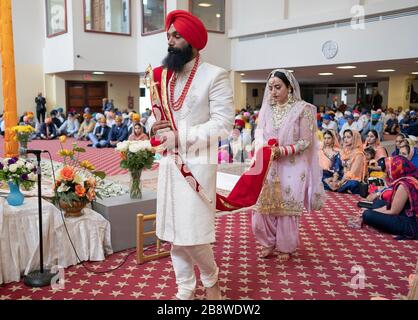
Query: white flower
(32, 176)
(13, 167)
(6, 161)
(29, 166)
(6, 168)
(122, 146)
(78, 179)
(20, 164)
(135, 147)
(63, 188)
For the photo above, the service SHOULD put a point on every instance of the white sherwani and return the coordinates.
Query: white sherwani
(183, 217)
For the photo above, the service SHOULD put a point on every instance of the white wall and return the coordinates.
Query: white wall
(305, 48)
(249, 17)
(28, 35)
(104, 52)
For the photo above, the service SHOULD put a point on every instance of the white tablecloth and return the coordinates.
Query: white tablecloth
(19, 239)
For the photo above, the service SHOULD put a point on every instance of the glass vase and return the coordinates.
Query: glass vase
(22, 148)
(135, 185)
(15, 197)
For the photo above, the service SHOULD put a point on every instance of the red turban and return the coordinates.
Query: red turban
(189, 27)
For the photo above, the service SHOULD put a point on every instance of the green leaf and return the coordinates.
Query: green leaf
(79, 149)
(100, 174)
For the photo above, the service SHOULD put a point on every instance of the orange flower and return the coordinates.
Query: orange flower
(67, 173)
(80, 191)
(91, 195)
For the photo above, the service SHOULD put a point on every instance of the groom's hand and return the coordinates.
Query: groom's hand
(159, 125)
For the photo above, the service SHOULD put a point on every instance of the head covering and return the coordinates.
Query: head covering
(375, 116)
(87, 116)
(356, 115)
(351, 117)
(401, 171)
(356, 146)
(189, 27)
(136, 117)
(326, 117)
(347, 113)
(398, 167)
(412, 113)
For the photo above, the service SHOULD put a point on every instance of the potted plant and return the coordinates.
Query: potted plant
(75, 185)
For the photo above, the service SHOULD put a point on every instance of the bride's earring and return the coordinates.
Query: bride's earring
(290, 97)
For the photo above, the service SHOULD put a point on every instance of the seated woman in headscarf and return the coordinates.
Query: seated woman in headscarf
(400, 215)
(373, 140)
(329, 157)
(401, 137)
(354, 163)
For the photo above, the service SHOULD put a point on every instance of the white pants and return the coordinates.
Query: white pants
(184, 258)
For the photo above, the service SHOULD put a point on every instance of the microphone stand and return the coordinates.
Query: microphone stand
(41, 277)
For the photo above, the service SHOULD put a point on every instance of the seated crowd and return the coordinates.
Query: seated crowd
(103, 130)
(351, 153)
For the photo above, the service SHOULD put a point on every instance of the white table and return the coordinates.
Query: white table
(19, 238)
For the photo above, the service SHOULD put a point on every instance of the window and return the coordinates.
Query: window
(153, 16)
(56, 17)
(211, 12)
(108, 16)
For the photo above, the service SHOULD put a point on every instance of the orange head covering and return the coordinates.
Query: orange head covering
(356, 146)
(136, 117)
(189, 27)
(87, 116)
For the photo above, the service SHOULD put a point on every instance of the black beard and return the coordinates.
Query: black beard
(177, 58)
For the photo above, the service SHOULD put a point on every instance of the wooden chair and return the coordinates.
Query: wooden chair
(140, 237)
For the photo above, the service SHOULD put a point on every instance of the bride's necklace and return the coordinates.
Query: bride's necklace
(280, 112)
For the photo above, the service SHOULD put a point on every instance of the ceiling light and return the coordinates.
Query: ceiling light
(242, 74)
(346, 67)
(98, 72)
(326, 74)
(205, 5)
(291, 71)
(415, 72)
(385, 70)
(360, 76)
(218, 15)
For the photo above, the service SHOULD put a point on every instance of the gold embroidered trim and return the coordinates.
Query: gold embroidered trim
(165, 97)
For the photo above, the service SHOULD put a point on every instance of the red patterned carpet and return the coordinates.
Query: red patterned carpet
(322, 268)
(104, 159)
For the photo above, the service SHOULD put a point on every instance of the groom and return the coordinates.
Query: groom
(199, 103)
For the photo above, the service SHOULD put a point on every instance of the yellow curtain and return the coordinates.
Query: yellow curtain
(9, 79)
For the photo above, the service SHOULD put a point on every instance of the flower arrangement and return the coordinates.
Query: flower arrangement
(76, 181)
(23, 133)
(19, 172)
(135, 156)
